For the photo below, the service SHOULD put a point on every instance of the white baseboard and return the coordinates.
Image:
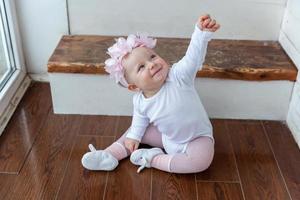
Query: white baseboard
(40, 77)
(230, 99)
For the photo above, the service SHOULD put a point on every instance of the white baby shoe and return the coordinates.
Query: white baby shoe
(143, 157)
(99, 160)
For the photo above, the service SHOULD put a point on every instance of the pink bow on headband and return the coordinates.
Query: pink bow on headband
(122, 47)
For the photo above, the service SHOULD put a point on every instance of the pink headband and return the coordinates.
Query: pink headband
(122, 47)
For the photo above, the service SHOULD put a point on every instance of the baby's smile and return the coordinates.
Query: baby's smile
(157, 71)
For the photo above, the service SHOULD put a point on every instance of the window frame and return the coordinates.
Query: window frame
(19, 74)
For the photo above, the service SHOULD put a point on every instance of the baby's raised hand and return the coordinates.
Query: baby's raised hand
(131, 144)
(205, 23)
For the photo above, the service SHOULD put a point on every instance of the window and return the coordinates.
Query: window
(7, 64)
(13, 79)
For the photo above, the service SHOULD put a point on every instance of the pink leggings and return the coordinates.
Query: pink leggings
(197, 158)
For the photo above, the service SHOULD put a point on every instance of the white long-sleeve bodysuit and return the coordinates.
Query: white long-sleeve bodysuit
(176, 109)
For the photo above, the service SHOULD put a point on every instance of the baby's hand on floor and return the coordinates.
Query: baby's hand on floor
(131, 144)
(205, 23)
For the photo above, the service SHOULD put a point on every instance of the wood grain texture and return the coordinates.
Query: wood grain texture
(224, 160)
(124, 122)
(265, 153)
(98, 125)
(219, 190)
(248, 60)
(78, 182)
(126, 183)
(173, 186)
(286, 153)
(45, 166)
(7, 182)
(259, 173)
(22, 129)
(226, 59)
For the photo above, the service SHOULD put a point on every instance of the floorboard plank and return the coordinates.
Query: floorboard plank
(45, 166)
(125, 183)
(259, 173)
(98, 125)
(173, 186)
(286, 153)
(129, 185)
(78, 182)
(7, 182)
(219, 190)
(123, 124)
(22, 129)
(48, 148)
(224, 160)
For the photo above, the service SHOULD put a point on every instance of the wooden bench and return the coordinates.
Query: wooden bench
(226, 59)
(239, 80)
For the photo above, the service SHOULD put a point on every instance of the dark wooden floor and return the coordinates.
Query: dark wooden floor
(40, 156)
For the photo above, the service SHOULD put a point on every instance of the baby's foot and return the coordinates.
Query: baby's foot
(99, 160)
(144, 157)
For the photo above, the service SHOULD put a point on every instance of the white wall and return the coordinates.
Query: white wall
(240, 19)
(290, 40)
(43, 22)
(290, 31)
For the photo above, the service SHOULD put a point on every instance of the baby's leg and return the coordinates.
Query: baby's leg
(151, 137)
(117, 149)
(198, 157)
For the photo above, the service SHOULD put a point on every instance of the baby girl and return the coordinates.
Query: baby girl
(168, 113)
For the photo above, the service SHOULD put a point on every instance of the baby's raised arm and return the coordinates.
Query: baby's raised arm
(188, 66)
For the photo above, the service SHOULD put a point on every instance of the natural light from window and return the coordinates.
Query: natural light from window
(6, 68)
(13, 79)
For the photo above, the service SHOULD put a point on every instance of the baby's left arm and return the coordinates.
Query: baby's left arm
(188, 66)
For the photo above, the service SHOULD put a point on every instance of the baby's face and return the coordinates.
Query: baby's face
(145, 69)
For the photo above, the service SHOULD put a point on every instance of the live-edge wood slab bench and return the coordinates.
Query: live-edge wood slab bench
(227, 59)
(240, 79)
